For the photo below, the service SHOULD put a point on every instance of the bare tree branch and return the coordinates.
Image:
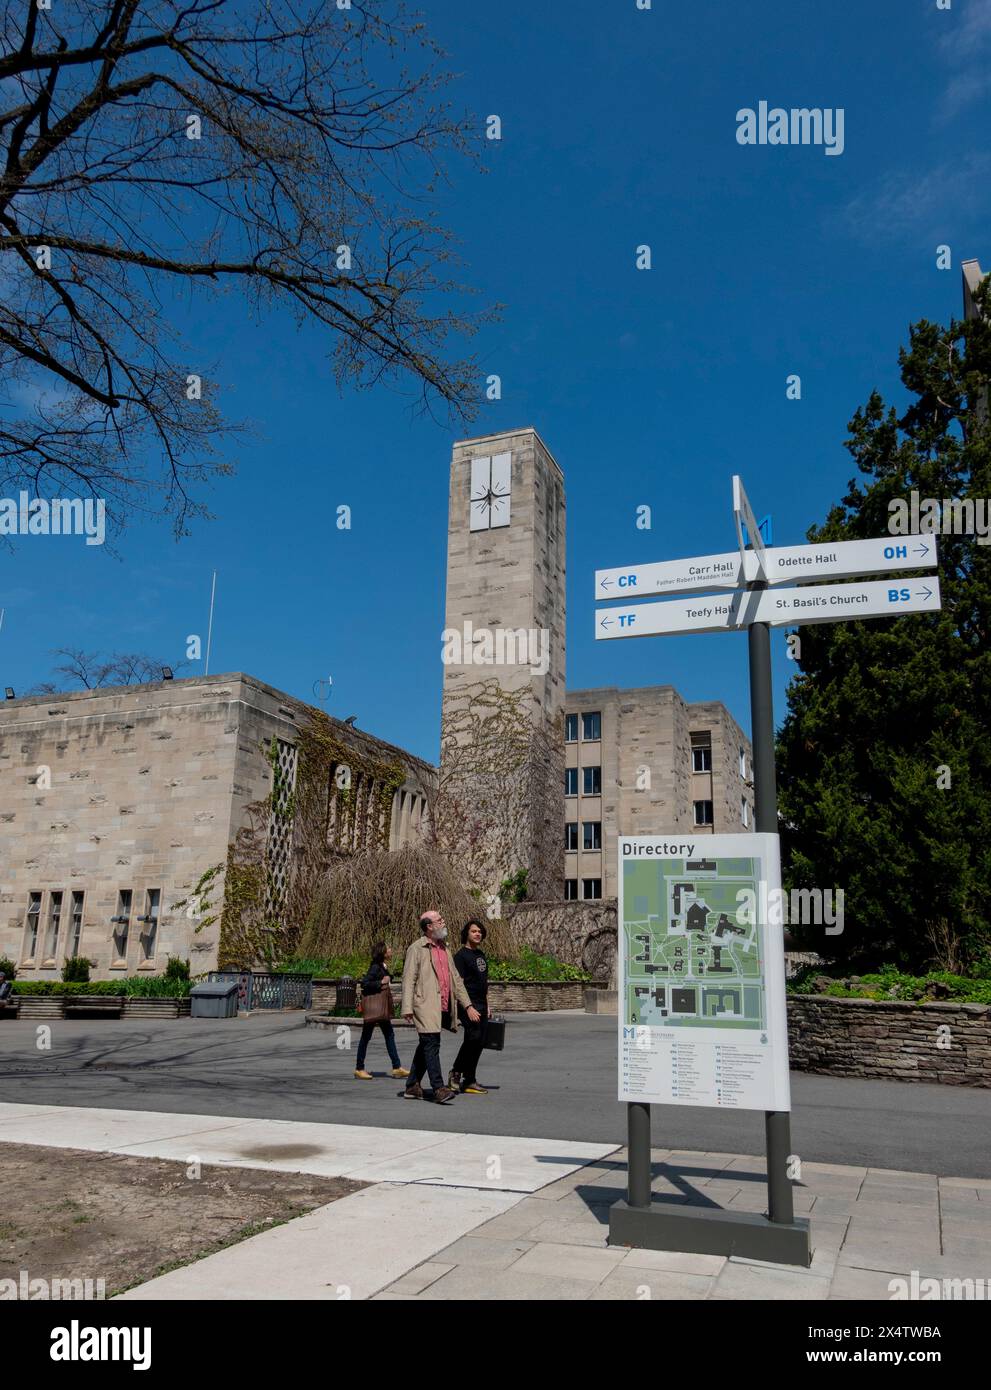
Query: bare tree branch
(285, 149)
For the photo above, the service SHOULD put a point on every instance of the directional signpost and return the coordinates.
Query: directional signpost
(790, 564)
(685, 1058)
(826, 603)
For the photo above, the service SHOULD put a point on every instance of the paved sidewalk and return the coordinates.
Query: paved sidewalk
(869, 1227)
(454, 1216)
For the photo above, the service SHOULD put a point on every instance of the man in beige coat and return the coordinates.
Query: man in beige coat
(431, 987)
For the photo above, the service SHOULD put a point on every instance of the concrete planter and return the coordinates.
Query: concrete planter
(156, 1008)
(49, 1006)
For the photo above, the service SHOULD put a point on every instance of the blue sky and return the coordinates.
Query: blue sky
(650, 387)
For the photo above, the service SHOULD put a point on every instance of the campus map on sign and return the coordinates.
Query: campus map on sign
(691, 963)
(701, 972)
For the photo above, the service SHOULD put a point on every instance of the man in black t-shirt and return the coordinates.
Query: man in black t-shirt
(474, 971)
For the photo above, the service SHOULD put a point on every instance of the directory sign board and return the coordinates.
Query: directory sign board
(702, 1017)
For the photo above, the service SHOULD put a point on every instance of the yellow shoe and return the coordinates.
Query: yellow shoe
(399, 1071)
(363, 1076)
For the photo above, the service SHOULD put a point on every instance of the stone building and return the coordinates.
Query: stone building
(502, 763)
(654, 762)
(642, 762)
(146, 821)
(117, 804)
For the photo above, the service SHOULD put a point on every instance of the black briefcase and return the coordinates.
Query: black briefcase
(495, 1034)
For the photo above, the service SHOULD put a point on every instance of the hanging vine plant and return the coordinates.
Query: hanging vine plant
(342, 799)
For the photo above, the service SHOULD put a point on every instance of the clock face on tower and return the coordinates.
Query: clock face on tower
(490, 489)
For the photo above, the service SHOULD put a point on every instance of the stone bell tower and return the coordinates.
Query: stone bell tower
(502, 754)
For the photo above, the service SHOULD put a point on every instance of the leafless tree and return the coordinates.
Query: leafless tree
(91, 670)
(280, 148)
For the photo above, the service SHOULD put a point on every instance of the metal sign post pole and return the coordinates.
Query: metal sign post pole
(777, 1123)
(638, 1153)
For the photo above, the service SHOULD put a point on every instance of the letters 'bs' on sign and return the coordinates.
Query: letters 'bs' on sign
(824, 603)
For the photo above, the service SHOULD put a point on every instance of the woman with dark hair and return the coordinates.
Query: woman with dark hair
(474, 971)
(374, 981)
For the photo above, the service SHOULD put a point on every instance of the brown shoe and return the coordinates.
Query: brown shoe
(414, 1092)
(444, 1096)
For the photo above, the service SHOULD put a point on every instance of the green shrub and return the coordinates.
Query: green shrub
(8, 967)
(528, 965)
(532, 966)
(176, 968)
(134, 986)
(514, 888)
(891, 983)
(76, 969)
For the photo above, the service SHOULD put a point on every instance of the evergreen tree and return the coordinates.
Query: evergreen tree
(884, 757)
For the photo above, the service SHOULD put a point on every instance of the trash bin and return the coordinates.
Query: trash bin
(216, 1000)
(347, 993)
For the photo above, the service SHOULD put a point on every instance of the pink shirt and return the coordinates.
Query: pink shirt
(439, 952)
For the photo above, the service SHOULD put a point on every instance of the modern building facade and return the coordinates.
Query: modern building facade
(643, 762)
(114, 804)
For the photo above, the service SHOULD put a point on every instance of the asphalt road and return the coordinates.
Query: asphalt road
(556, 1080)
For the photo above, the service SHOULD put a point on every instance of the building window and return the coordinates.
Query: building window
(701, 751)
(571, 834)
(122, 926)
(745, 811)
(591, 727)
(31, 926)
(570, 890)
(591, 888)
(76, 924)
(571, 781)
(571, 728)
(703, 812)
(54, 924)
(149, 924)
(592, 781)
(743, 763)
(592, 834)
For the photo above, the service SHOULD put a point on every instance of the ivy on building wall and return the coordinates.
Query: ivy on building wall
(499, 794)
(342, 800)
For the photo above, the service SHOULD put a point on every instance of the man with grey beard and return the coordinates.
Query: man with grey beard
(431, 987)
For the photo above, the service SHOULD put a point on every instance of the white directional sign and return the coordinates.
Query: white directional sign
(804, 564)
(789, 564)
(826, 603)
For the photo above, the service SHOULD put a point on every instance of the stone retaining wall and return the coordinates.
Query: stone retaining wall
(889, 1039)
(505, 996)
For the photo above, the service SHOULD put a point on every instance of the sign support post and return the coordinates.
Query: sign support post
(638, 1148)
(777, 1123)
